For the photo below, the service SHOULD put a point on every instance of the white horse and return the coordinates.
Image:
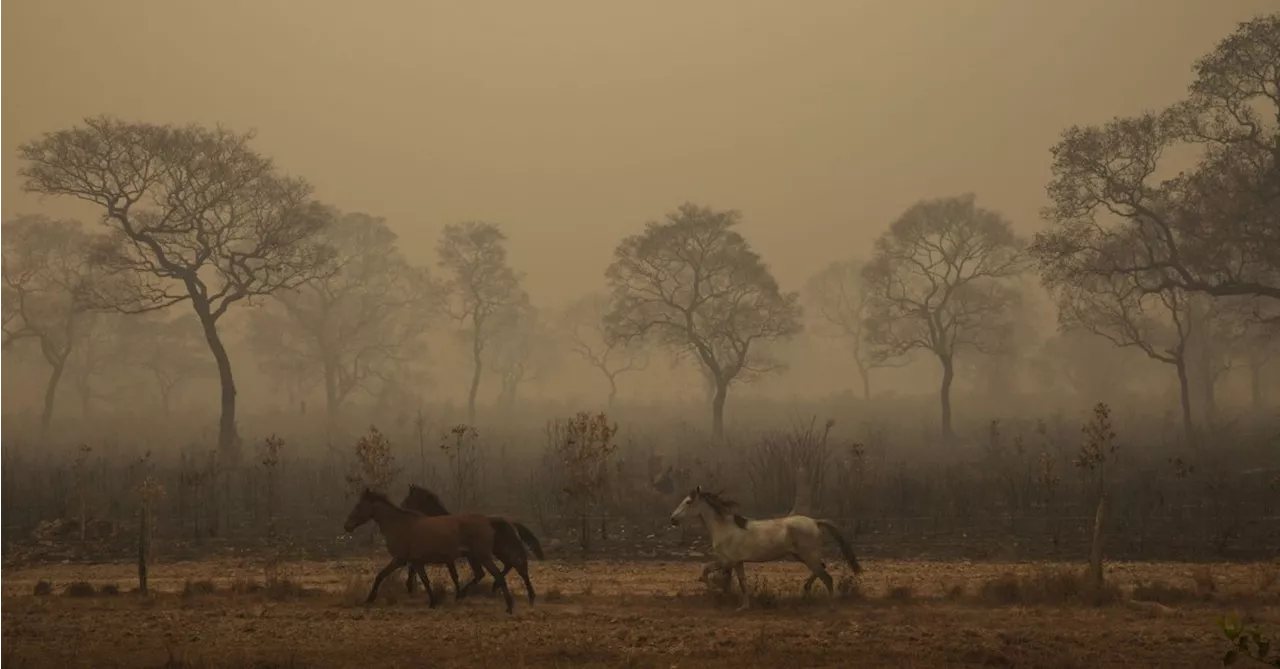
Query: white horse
(736, 539)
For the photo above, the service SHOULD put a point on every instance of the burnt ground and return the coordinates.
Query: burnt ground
(250, 612)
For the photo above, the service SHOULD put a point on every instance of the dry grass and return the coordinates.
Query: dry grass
(223, 614)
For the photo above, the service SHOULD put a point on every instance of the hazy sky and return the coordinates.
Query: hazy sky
(571, 123)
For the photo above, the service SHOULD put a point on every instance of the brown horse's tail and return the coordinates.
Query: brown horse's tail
(526, 535)
(502, 529)
(845, 549)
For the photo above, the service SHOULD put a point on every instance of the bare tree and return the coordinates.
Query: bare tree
(1090, 367)
(942, 280)
(1159, 324)
(95, 360)
(522, 349)
(170, 348)
(195, 215)
(840, 295)
(1214, 229)
(695, 285)
(584, 328)
(356, 324)
(12, 328)
(1248, 336)
(482, 285)
(48, 292)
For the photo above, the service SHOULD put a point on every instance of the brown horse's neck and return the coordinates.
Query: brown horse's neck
(386, 514)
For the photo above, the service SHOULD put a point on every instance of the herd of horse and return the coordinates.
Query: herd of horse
(420, 531)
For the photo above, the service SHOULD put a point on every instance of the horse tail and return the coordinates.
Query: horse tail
(503, 529)
(526, 535)
(845, 549)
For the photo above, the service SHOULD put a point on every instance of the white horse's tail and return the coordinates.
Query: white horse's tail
(845, 549)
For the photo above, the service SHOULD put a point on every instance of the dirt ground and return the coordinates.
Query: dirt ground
(624, 614)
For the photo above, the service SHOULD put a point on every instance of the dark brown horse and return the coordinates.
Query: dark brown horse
(509, 541)
(416, 540)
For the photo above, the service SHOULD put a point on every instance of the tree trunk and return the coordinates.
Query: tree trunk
(866, 383)
(166, 393)
(613, 391)
(717, 409)
(948, 375)
(476, 368)
(50, 396)
(228, 439)
(1184, 389)
(1095, 548)
(144, 529)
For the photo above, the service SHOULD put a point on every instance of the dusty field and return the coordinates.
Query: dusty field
(610, 614)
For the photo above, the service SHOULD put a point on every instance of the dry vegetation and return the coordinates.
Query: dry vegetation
(248, 566)
(228, 613)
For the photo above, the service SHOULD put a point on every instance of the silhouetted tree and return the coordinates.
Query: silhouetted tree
(1213, 229)
(481, 285)
(521, 349)
(1160, 324)
(358, 323)
(584, 328)
(195, 214)
(96, 360)
(48, 289)
(695, 285)
(839, 293)
(941, 280)
(1087, 366)
(169, 347)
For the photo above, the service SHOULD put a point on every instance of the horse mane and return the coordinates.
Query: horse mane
(723, 506)
(424, 500)
(381, 498)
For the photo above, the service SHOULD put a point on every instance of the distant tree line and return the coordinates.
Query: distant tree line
(1183, 268)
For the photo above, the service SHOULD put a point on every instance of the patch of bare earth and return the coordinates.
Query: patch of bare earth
(612, 614)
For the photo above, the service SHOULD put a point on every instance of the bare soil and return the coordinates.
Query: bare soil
(624, 614)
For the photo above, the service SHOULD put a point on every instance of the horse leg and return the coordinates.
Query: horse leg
(523, 571)
(808, 584)
(725, 571)
(453, 574)
(819, 570)
(420, 570)
(742, 583)
(506, 569)
(388, 570)
(492, 568)
(477, 573)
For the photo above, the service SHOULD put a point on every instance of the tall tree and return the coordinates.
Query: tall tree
(942, 280)
(194, 215)
(481, 285)
(169, 347)
(49, 279)
(840, 295)
(694, 284)
(95, 360)
(353, 325)
(1160, 324)
(522, 349)
(1087, 367)
(584, 328)
(1212, 229)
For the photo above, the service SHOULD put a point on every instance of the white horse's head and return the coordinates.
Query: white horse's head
(687, 506)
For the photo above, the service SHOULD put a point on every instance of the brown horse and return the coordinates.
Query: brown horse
(509, 541)
(415, 539)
